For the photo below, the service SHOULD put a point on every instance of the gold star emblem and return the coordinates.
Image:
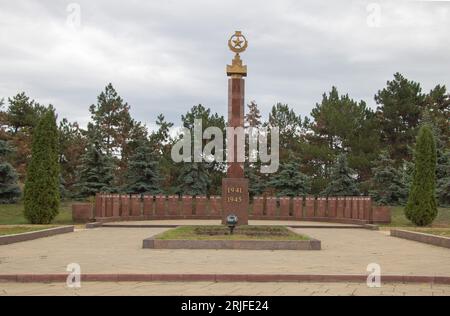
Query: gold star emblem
(238, 43)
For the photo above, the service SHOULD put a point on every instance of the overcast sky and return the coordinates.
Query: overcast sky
(168, 55)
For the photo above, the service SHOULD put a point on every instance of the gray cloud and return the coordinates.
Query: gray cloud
(166, 56)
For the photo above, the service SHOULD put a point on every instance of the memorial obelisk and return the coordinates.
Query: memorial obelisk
(235, 198)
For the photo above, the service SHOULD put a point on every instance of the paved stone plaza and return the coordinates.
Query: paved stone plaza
(226, 289)
(119, 250)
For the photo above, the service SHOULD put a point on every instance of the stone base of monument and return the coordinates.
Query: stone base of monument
(182, 238)
(235, 199)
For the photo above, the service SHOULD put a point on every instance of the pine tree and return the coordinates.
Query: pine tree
(421, 207)
(213, 170)
(194, 179)
(253, 116)
(387, 186)
(19, 120)
(9, 189)
(72, 145)
(437, 108)
(161, 142)
(96, 169)
(399, 114)
(41, 193)
(289, 124)
(289, 181)
(143, 171)
(23, 113)
(342, 125)
(117, 129)
(342, 183)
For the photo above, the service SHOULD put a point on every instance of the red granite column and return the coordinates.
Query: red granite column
(321, 207)
(109, 206)
(368, 209)
(258, 206)
(215, 206)
(116, 205)
(135, 202)
(340, 209)
(271, 206)
(348, 207)
(172, 205)
(298, 207)
(98, 205)
(355, 208)
(103, 208)
(236, 94)
(186, 205)
(309, 205)
(125, 205)
(235, 196)
(160, 205)
(148, 205)
(361, 208)
(200, 205)
(332, 208)
(284, 206)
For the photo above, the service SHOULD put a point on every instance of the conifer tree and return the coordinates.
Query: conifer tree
(143, 171)
(117, 129)
(96, 169)
(290, 181)
(421, 207)
(41, 193)
(342, 179)
(253, 116)
(443, 178)
(257, 182)
(399, 114)
(387, 186)
(9, 189)
(194, 179)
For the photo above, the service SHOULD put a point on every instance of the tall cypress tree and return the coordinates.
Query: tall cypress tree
(342, 183)
(143, 171)
(9, 190)
(41, 193)
(421, 208)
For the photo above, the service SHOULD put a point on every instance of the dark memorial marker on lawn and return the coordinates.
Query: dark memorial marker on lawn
(235, 196)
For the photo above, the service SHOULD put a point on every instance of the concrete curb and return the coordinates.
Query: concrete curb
(316, 278)
(348, 221)
(94, 225)
(152, 243)
(108, 225)
(439, 241)
(11, 239)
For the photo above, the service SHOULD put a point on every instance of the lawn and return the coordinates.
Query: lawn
(222, 233)
(12, 214)
(399, 219)
(11, 230)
